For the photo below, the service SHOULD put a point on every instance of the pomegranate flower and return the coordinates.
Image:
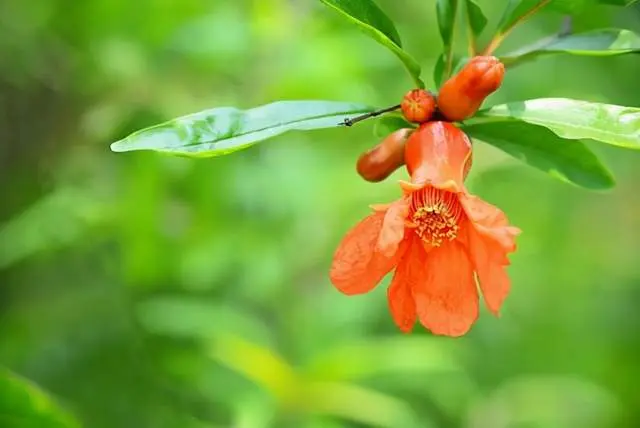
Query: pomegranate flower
(438, 237)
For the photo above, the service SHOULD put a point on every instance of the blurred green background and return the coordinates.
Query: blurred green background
(139, 290)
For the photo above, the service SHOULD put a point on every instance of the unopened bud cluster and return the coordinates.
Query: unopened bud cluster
(459, 98)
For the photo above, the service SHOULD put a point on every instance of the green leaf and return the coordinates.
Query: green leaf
(476, 19)
(377, 25)
(383, 356)
(360, 404)
(604, 42)
(55, 221)
(570, 161)
(258, 364)
(446, 12)
(575, 7)
(517, 10)
(571, 7)
(223, 130)
(388, 124)
(23, 405)
(619, 2)
(573, 119)
(200, 319)
(438, 70)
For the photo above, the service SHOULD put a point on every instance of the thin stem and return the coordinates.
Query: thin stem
(416, 79)
(352, 121)
(499, 38)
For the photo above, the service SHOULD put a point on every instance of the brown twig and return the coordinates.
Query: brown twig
(352, 121)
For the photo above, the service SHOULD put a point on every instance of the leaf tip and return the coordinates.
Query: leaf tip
(119, 146)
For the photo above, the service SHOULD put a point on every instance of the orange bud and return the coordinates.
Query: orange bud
(418, 106)
(461, 96)
(379, 162)
(438, 152)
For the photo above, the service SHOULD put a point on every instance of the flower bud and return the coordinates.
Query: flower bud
(379, 162)
(461, 96)
(437, 152)
(418, 106)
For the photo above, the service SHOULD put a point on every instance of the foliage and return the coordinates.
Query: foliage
(224, 130)
(148, 290)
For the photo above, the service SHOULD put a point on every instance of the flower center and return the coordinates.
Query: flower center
(436, 215)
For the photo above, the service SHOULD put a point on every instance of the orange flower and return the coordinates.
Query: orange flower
(418, 106)
(461, 95)
(437, 237)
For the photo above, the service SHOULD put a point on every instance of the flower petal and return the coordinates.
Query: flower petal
(392, 231)
(490, 221)
(489, 239)
(438, 152)
(399, 294)
(357, 267)
(446, 295)
(488, 258)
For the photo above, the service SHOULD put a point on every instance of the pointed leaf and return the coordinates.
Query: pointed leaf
(570, 161)
(518, 10)
(446, 11)
(571, 7)
(223, 130)
(575, 7)
(574, 119)
(604, 42)
(388, 124)
(619, 2)
(476, 19)
(377, 25)
(392, 356)
(359, 404)
(257, 363)
(438, 71)
(24, 405)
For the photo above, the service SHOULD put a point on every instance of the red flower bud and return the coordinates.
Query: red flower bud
(438, 152)
(461, 95)
(418, 106)
(379, 162)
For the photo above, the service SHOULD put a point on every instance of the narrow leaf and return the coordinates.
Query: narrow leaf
(22, 404)
(619, 2)
(223, 130)
(377, 25)
(366, 12)
(604, 42)
(476, 19)
(570, 161)
(518, 10)
(257, 363)
(571, 7)
(388, 124)
(359, 404)
(574, 119)
(439, 72)
(446, 12)
(383, 356)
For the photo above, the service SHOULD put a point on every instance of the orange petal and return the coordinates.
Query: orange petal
(488, 258)
(490, 221)
(438, 152)
(399, 295)
(393, 225)
(357, 267)
(446, 295)
(489, 239)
